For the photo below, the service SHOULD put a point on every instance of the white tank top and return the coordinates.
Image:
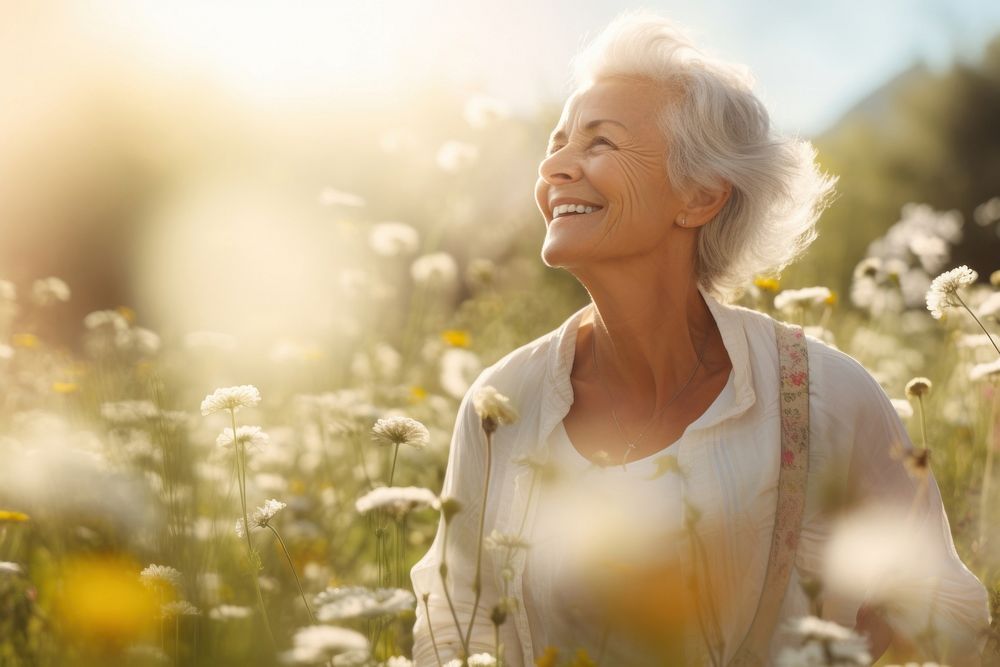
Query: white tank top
(601, 528)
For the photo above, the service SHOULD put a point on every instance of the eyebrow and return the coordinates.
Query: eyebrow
(589, 126)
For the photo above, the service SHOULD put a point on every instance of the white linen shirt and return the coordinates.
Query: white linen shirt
(731, 462)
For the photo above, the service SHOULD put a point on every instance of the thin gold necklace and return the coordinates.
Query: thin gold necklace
(631, 445)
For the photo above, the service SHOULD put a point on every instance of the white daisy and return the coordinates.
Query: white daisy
(179, 608)
(49, 290)
(100, 319)
(943, 292)
(230, 398)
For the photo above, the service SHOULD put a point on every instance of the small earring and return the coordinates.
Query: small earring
(682, 220)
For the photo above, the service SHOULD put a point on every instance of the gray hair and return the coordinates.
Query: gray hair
(718, 131)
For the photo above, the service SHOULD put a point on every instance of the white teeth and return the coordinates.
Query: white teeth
(572, 208)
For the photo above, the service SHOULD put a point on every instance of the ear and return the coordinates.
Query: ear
(702, 206)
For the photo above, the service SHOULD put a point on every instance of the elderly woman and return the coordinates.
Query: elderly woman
(701, 451)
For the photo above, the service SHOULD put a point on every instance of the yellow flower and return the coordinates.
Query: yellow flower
(25, 340)
(582, 659)
(832, 299)
(64, 387)
(127, 313)
(10, 516)
(548, 659)
(766, 284)
(417, 394)
(456, 337)
(103, 603)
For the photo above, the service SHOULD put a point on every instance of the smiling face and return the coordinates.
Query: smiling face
(607, 153)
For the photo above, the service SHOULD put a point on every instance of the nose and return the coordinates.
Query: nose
(563, 166)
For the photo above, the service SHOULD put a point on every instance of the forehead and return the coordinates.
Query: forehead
(633, 102)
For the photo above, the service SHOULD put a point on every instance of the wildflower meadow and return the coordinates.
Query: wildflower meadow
(272, 517)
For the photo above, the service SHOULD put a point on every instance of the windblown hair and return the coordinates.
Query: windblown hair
(718, 131)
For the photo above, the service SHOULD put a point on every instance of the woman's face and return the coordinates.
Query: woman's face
(607, 153)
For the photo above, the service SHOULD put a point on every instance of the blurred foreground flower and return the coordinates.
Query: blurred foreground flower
(350, 602)
(319, 643)
(493, 408)
(103, 604)
(822, 643)
(49, 290)
(248, 436)
(393, 239)
(397, 500)
(230, 398)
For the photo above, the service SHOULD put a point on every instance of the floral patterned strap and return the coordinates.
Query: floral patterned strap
(794, 407)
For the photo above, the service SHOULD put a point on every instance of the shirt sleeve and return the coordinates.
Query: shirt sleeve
(464, 479)
(956, 602)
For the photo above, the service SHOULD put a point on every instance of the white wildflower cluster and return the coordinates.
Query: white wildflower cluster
(110, 331)
(820, 643)
(179, 608)
(8, 567)
(317, 644)
(496, 541)
(261, 516)
(229, 612)
(393, 239)
(397, 500)
(481, 111)
(400, 430)
(352, 602)
(230, 398)
(248, 436)
(790, 300)
(154, 576)
(943, 292)
(437, 269)
(46, 291)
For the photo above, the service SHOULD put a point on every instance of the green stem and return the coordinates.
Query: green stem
(242, 470)
(443, 572)
(430, 628)
(291, 567)
(392, 471)
(989, 336)
(988, 471)
(496, 644)
(923, 420)
(477, 582)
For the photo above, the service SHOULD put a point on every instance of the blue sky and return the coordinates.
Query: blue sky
(812, 60)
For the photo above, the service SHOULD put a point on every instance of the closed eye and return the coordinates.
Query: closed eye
(597, 140)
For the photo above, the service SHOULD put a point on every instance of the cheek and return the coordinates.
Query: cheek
(541, 195)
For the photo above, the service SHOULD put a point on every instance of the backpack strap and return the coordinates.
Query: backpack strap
(794, 406)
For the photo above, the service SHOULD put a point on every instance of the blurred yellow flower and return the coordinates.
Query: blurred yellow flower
(127, 313)
(10, 516)
(766, 284)
(25, 340)
(582, 659)
(456, 337)
(832, 299)
(64, 387)
(417, 394)
(103, 604)
(548, 659)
